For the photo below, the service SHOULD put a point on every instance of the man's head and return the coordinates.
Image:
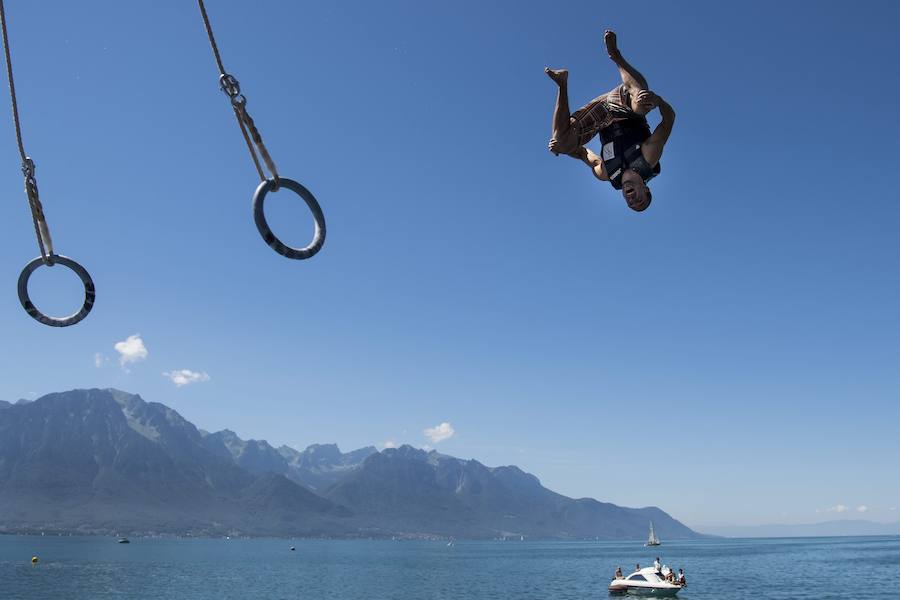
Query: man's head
(635, 191)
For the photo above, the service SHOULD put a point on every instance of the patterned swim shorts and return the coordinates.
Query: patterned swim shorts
(601, 112)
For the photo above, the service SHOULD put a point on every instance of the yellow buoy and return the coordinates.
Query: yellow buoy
(34, 560)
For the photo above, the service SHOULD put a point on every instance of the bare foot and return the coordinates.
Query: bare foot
(560, 76)
(612, 47)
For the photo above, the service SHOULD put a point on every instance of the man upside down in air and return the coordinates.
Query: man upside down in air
(630, 153)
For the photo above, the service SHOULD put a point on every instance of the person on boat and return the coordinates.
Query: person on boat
(618, 573)
(681, 580)
(656, 566)
(637, 567)
(630, 154)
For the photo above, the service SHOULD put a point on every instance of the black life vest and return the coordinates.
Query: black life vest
(622, 150)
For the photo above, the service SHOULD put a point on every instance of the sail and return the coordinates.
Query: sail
(652, 540)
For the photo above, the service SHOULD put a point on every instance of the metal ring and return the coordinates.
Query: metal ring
(259, 216)
(89, 292)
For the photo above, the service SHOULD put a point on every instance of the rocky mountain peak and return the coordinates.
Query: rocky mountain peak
(406, 452)
(328, 453)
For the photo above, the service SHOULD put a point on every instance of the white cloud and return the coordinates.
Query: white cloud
(132, 349)
(839, 508)
(893, 508)
(862, 508)
(182, 377)
(100, 360)
(439, 433)
(390, 444)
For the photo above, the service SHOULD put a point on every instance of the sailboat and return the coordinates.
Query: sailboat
(652, 540)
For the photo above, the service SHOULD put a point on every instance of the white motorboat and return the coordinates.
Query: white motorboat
(646, 582)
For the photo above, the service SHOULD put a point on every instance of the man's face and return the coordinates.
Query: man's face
(635, 192)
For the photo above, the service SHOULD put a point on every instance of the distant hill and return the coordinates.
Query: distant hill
(104, 461)
(409, 489)
(823, 529)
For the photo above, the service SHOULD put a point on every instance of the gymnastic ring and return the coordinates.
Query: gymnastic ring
(277, 245)
(89, 292)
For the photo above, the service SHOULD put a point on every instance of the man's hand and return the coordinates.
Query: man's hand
(554, 146)
(647, 100)
(612, 48)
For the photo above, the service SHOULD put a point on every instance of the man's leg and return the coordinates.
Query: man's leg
(631, 77)
(564, 139)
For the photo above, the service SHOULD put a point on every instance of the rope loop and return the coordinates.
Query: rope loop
(247, 124)
(31, 190)
(41, 229)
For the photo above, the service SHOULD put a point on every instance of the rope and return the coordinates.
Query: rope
(212, 39)
(41, 229)
(232, 89)
(12, 85)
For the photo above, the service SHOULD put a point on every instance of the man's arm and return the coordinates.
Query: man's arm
(652, 148)
(593, 161)
(631, 77)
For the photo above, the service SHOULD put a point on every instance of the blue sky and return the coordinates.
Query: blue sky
(738, 341)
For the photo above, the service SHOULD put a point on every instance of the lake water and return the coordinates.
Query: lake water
(75, 568)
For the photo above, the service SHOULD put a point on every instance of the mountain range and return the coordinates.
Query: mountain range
(106, 461)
